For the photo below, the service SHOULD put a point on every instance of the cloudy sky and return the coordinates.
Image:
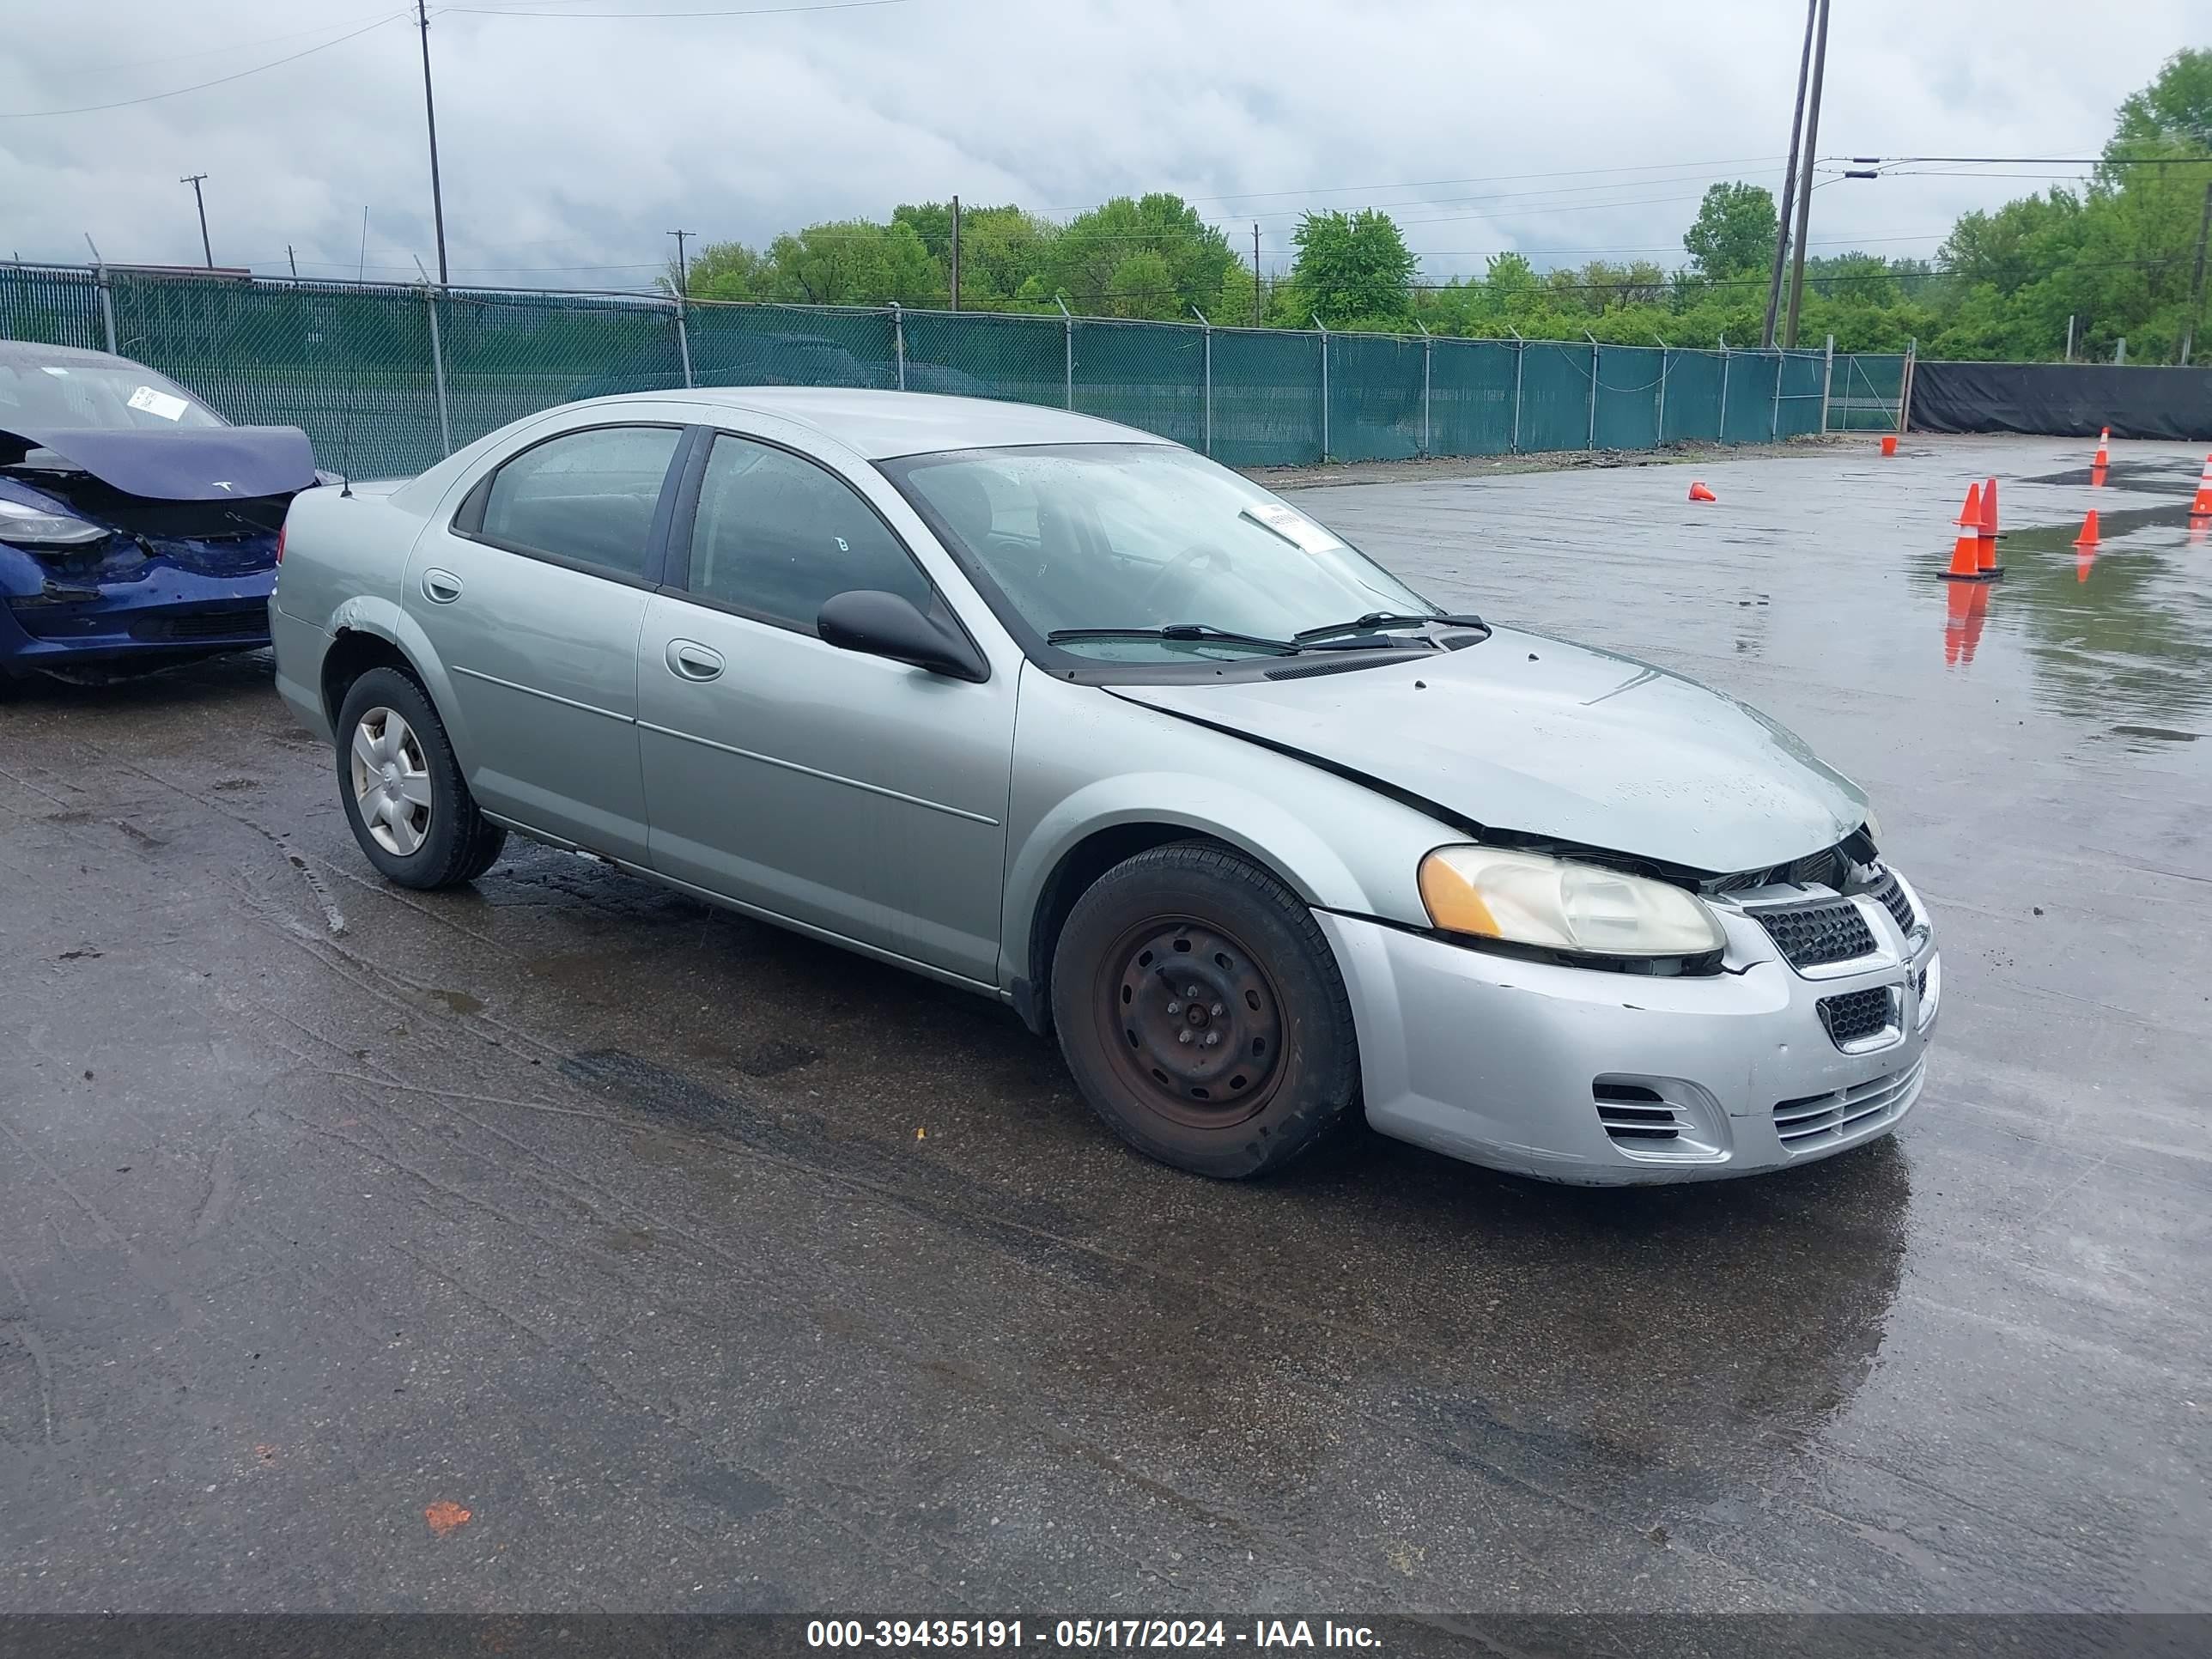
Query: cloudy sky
(574, 133)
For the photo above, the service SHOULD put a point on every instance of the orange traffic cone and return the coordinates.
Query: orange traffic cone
(1970, 515)
(1986, 532)
(1699, 493)
(1966, 552)
(1889, 443)
(2088, 536)
(2202, 507)
(2104, 451)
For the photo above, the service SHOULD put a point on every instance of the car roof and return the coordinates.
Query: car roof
(33, 353)
(877, 425)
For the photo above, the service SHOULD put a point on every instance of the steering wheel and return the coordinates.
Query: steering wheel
(1197, 555)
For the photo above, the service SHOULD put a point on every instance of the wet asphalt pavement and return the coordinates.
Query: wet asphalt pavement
(707, 1268)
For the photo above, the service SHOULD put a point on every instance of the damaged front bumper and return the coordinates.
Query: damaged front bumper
(137, 606)
(1597, 1078)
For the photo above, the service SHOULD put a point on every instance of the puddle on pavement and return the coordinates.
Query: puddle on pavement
(2159, 474)
(2115, 633)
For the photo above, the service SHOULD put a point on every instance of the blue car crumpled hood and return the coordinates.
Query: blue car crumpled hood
(192, 464)
(1531, 734)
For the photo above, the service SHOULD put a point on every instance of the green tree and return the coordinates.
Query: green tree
(1734, 233)
(2174, 110)
(725, 270)
(1354, 268)
(855, 263)
(1087, 260)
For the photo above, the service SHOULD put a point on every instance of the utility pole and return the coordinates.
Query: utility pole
(1255, 273)
(1789, 182)
(1805, 179)
(2197, 283)
(293, 260)
(956, 253)
(206, 250)
(683, 272)
(430, 118)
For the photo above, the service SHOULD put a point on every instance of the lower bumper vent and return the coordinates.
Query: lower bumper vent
(1816, 1121)
(1634, 1113)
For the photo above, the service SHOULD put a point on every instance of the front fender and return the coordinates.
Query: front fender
(1086, 761)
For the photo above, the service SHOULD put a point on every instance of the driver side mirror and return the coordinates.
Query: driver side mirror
(879, 625)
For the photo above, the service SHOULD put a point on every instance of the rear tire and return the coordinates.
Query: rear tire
(1201, 1012)
(410, 811)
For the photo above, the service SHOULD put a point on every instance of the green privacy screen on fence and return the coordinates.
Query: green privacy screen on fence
(386, 378)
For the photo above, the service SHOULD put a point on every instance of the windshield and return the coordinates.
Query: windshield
(1143, 536)
(103, 396)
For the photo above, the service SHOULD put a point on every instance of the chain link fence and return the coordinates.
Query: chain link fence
(387, 379)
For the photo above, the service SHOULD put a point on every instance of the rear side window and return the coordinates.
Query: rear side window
(586, 496)
(776, 536)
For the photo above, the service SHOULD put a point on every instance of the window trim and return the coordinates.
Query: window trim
(684, 529)
(467, 520)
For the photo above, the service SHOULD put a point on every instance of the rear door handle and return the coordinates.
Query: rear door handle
(440, 587)
(690, 660)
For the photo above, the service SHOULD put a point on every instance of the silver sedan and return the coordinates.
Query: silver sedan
(1067, 716)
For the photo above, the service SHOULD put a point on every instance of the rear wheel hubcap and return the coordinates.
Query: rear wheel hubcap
(391, 782)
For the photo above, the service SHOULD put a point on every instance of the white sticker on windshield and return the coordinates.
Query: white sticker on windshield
(166, 404)
(1293, 525)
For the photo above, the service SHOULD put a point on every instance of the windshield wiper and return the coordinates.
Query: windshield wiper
(1205, 632)
(1375, 620)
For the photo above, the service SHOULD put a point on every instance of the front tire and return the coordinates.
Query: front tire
(410, 811)
(1201, 1012)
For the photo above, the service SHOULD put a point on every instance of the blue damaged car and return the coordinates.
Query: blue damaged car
(139, 528)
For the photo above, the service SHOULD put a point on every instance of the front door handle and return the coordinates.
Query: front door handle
(690, 660)
(440, 587)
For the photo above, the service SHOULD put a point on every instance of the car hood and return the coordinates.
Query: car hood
(193, 464)
(1527, 733)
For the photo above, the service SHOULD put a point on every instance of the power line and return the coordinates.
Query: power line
(217, 52)
(220, 80)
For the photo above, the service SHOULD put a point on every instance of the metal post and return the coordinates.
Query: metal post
(1428, 356)
(1206, 416)
(2120, 354)
(683, 342)
(1661, 437)
(1774, 415)
(1827, 380)
(898, 341)
(430, 120)
(1789, 182)
(1905, 385)
(438, 370)
(956, 253)
(1590, 442)
(2195, 318)
(1068, 320)
(2069, 337)
(107, 305)
(1519, 355)
(1722, 435)
(1805, 180)
(1318, 323)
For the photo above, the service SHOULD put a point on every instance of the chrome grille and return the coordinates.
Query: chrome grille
(1817, 1120)
(1889, 893)
(1634, 1114)
(1816, 932)
(1856, 1016)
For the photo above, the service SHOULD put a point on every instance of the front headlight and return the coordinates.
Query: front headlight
(33, 526)
(1526, 899)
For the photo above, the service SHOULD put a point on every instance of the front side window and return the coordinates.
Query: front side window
(776, 536)
(1079, 537)
(586, 496)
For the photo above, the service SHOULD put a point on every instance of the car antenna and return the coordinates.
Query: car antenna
(353, 387)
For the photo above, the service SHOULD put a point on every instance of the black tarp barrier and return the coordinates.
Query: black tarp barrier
(2062, 400)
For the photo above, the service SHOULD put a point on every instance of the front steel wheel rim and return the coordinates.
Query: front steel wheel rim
(391, 782)
(1192, 1022)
